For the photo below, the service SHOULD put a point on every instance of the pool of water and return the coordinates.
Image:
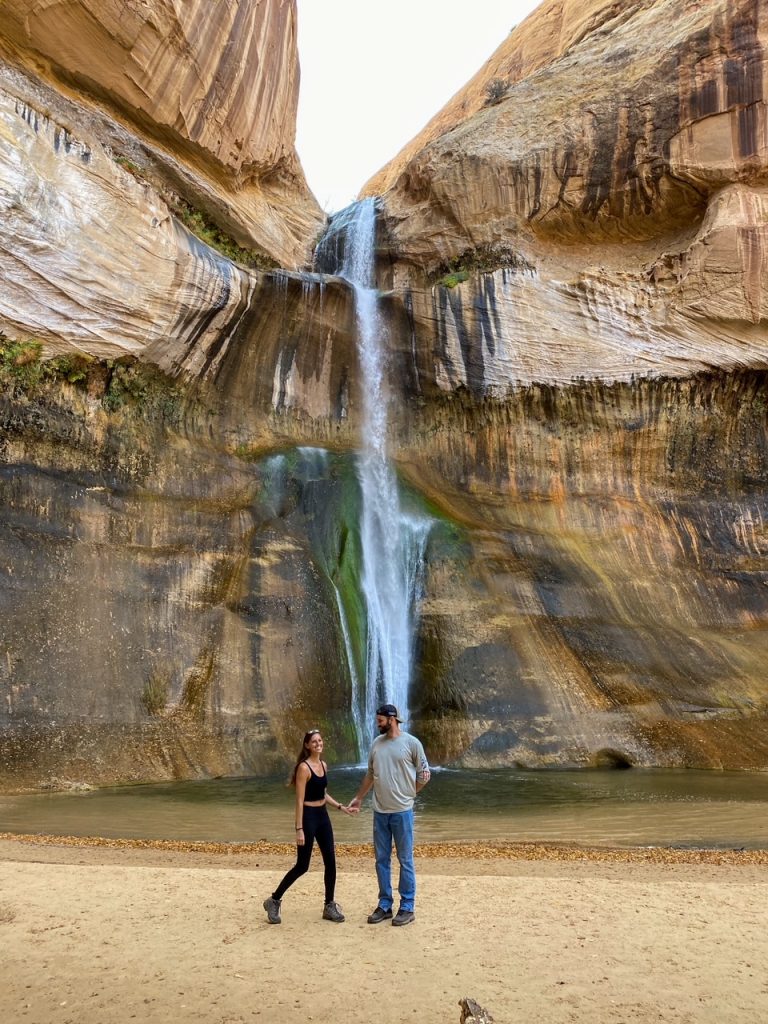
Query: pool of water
(611, 808)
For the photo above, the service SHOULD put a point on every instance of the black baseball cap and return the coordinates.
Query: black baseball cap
(389, 711)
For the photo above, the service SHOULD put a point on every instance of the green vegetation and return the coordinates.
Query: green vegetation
(128, 165)
(22, 367)
(119, 383)
(20, 363)
(482, 260)
(141, 386)
(156, 689)
(203, 228)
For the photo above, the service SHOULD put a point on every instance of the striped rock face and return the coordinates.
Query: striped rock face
(611, 162)
(194, 102)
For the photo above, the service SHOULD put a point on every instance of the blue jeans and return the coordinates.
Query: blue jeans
(398, 828)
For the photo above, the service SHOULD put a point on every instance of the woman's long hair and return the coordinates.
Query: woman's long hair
(303, 755)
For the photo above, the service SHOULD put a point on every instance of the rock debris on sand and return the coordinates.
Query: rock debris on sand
(460, 851)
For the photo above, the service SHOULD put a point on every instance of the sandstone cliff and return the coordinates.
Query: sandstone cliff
(127, 130)
(572, 257)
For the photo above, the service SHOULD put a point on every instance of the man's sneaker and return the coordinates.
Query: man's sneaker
(272, 908)
(379, 915)
(403, 917)
(332, 912)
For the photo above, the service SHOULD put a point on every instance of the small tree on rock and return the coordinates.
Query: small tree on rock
(495, 91)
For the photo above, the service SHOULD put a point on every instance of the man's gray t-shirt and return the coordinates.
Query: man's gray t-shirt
(394, 765)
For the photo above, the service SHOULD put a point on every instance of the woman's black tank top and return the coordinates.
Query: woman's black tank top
(316, 785)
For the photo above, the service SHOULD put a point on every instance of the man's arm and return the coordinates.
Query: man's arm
(365, 785)
(423, 774)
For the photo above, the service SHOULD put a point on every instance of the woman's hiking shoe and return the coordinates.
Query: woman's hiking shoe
(332, 912)
(404, 917)
(379, 915)
(272, 908)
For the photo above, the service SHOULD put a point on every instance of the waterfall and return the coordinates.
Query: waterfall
(393, 541)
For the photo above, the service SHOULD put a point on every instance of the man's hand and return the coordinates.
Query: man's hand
(354, 805)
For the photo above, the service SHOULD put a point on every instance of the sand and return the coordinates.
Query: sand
(94, 934)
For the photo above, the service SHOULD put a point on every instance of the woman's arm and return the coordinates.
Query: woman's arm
(336, 803)
(302, 774)
(332, 800)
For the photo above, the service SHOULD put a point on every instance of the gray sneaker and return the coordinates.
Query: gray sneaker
(332, 912)
(272, 908)
(379, 914)
(404, 917)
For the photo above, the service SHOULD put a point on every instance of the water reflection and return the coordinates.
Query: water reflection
(631, 808)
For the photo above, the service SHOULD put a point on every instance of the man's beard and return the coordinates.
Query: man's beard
(384, 728)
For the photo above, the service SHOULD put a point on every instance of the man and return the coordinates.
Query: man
(397, 770)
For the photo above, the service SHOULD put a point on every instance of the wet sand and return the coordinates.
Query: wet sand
(95, 932)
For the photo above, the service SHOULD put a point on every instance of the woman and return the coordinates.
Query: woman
(310, 777)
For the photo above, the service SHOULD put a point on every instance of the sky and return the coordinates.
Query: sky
(373, 74)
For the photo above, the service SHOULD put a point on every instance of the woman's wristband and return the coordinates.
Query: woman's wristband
(300, 828)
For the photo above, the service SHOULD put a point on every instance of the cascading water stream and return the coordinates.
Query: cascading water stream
(392, 541)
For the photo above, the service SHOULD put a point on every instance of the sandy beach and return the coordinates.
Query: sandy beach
(94, 934)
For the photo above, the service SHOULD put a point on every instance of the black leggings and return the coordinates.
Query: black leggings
(317, 826)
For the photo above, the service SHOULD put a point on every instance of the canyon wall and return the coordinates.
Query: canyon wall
(573, 275)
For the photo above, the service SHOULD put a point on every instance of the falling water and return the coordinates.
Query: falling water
(392, 541)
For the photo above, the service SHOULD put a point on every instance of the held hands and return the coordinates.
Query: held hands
(353, 807)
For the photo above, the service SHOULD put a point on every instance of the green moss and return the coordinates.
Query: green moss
(21, 366)
(142, 387)
(448, 540)
(23, 369)
(451, 280)
(74, 369)
(122, 384)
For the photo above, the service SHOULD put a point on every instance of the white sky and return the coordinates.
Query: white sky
(373, 74)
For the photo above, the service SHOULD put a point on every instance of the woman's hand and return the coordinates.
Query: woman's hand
(299, 836)
(347, 810)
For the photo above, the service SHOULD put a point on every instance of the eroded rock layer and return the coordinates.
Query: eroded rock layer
(606, 602)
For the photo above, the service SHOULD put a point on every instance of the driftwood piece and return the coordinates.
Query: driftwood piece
(473, 1013)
